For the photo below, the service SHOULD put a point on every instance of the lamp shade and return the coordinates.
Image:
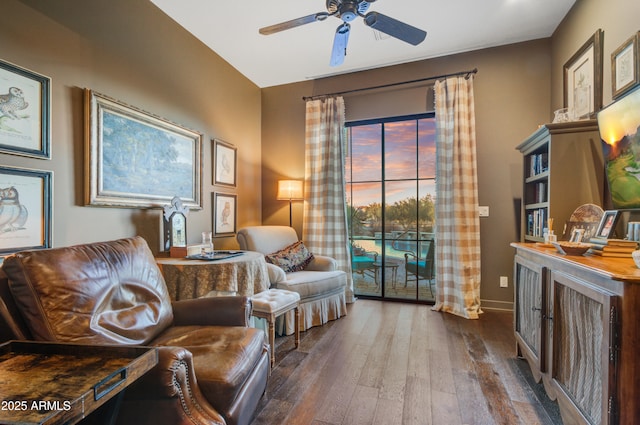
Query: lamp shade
(290, 190)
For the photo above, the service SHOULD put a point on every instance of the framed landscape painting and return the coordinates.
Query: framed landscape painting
(25, 112)
(619, 127)
(136, 159)
(25, 209)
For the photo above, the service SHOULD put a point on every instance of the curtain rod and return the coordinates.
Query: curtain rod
(318, 96)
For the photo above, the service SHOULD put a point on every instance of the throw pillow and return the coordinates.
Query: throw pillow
(293, 258)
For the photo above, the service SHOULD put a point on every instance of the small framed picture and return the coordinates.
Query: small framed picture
(25, 115)
(25, 216)
(625, 66)
(607, 224)
(576, 235)
(225, 160)
(588, 228)
(224, 214)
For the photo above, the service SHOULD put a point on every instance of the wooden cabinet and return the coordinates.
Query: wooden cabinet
(563, 169)
(576, 323)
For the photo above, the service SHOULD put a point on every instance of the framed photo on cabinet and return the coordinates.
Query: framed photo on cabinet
(25, 112)
(607, 224)
(583, 79)
(625, 66)
(25, 216)
(225, 159)
(224, 214)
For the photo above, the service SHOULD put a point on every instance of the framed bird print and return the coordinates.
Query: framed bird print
(25, 209)
(224, 214)
(25, 112)
(225, 160)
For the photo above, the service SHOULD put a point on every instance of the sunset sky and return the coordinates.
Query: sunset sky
(406, 143)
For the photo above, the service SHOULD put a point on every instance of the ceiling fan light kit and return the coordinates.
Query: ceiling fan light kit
(348, 11)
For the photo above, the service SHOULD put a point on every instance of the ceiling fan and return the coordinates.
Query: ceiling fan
(347, 11)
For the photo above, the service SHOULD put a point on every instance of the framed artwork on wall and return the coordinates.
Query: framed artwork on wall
(136, 159)
(225, 161)
(625, 66)
(25, 112)
(25, 216)
(583, 79)
(224, 214)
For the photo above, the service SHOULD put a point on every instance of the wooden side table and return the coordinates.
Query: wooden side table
(273, 303)
(52, 383)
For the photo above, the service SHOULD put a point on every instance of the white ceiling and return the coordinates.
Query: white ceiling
(230, 28)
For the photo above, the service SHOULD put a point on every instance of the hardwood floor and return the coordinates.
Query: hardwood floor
(391, 363)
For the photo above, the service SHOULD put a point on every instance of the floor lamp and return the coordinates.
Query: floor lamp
(290, 190)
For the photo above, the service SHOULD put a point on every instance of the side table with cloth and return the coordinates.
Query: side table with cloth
(245, 275)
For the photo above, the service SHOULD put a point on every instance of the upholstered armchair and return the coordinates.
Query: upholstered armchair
(315, 277)
(212, 367)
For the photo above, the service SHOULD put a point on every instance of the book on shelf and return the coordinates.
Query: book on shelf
(536, 222)
(540, 192)
(539, 164)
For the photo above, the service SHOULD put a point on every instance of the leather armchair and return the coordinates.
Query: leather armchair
(212, 368)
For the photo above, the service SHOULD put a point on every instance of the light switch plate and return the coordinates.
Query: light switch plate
(484, 211)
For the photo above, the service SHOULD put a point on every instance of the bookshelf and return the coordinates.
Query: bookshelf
(563, 168)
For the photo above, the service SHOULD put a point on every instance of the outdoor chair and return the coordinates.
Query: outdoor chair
(417, 268)
(363, 262)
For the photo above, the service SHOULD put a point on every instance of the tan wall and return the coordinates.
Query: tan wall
(130, 50)
(512, 89)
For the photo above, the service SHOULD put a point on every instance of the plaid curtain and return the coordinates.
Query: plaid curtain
(325, 217)
(457, 222)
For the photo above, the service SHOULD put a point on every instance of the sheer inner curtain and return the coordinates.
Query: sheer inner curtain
(325, 217)
(457, 222)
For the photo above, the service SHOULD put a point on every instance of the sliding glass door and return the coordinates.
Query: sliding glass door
(391, 204)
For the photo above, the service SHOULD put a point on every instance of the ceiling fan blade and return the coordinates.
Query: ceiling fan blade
(320, 16)
(340, 41)
(395, 28)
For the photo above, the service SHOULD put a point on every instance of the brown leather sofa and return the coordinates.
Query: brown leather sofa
(212, 369)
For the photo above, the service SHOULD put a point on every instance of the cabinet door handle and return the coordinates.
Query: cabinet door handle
(536, 309)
